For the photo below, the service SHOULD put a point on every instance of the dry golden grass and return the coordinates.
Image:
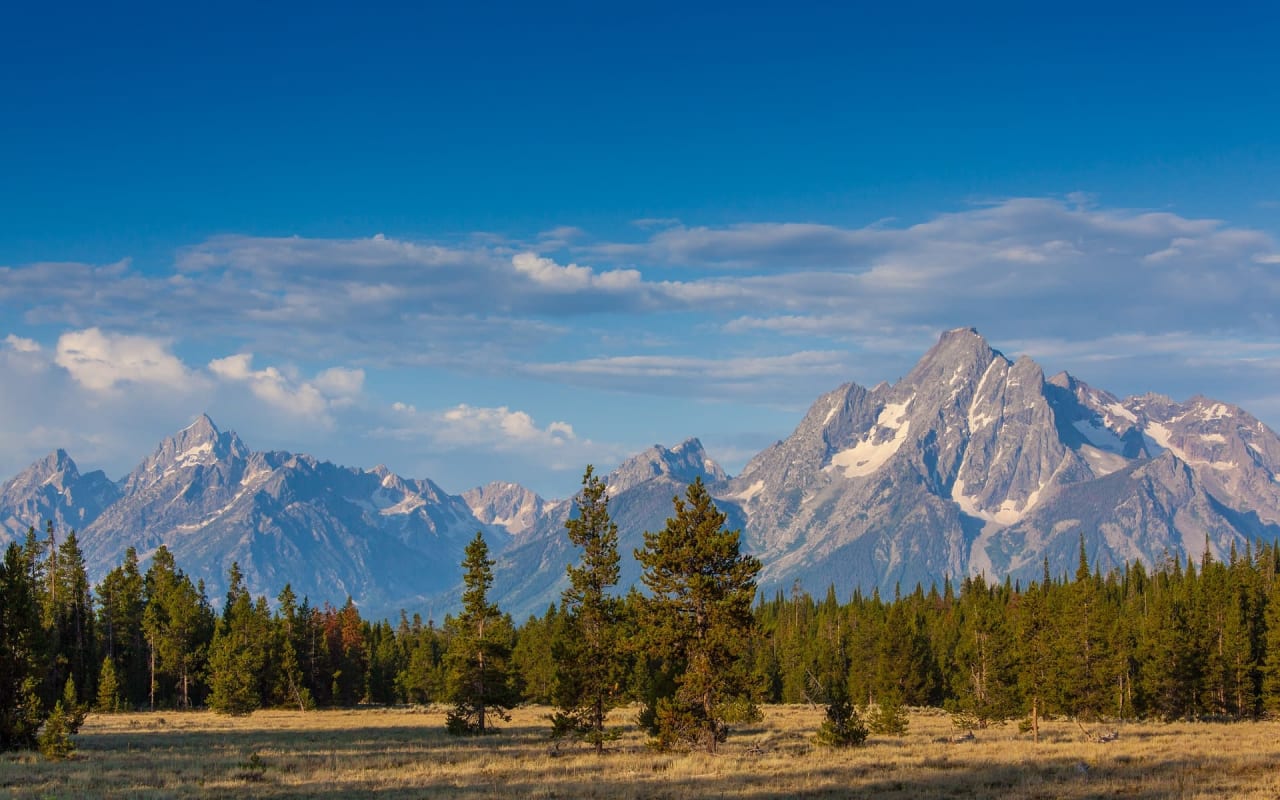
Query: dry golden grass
(398, 753)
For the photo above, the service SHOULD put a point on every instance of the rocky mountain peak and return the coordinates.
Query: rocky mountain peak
(682, 463)
(958, 352)
(52, 489)
(506, 505)
(199, 444)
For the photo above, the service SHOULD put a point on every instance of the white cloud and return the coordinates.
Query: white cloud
(340, 383)
(288, 392)
(99, 361)
(21, 345)
(571, 277)
(500, 429)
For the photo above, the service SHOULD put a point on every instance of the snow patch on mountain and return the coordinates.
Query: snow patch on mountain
(748, 493)
(871, 453)
(1100, 436)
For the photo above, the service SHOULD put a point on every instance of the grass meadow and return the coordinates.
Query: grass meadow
(405, 752)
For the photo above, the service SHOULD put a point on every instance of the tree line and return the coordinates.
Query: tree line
(693, 646)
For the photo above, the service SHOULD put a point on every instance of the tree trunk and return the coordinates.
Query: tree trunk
(1035, 719)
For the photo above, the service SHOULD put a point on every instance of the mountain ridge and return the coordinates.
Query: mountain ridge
(971, 463)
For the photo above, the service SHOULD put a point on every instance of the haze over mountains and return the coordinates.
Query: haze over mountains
(970, 463)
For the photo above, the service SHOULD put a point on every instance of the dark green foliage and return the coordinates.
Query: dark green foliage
(986, 661)
(108, 700)
(887, 716)
(178, 624)
(588, 661)
(240, 652)
(533, 656)
(842, 726)
(698, 620)
(55, 738)
(478, 679)
(21, 649)
(120, 609)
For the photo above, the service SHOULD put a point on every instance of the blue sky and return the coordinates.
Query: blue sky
(502, 241)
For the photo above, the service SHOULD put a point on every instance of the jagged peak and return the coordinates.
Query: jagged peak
(1062, 379)
(684, 462)
(204, 422)
(59, 461)
(955, 348)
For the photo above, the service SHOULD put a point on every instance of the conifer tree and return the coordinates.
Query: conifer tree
(479, 652)
(1271, 662)
(20, 648)
(533, 657)
(698, 620)
(108, 701)
(120, 609)
(289, 688)
(1036, 639)
(986, 682)
(177, 623)
(239, 653)
(587, 658)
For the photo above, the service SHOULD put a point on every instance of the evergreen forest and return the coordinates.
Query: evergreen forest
(694, 646)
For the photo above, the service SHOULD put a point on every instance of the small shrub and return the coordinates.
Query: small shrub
(888, 717)
(55, 738)
(842, 727)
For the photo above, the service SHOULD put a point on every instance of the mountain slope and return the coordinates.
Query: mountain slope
(971, 463)
(53, 489)
(977, 463)
(330, 531)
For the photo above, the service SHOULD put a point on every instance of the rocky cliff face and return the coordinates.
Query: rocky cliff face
(976, 463)
(509, 506)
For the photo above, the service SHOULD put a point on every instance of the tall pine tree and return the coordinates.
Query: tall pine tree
(588, 664)
(479, 652)
(698, 621)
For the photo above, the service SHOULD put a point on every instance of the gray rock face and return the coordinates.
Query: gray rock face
(975, 463)
(509, 506)
(53, 489)
(331, 532)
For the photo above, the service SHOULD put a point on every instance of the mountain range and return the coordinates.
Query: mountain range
(971, 463)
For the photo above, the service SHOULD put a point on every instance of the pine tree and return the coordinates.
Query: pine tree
(120, 609)
(986, 682)
(533, 656)
(1271, 662)
(21, 645)
(177, 623)
(289, 689)
(588, 663)
(1036, 638)
(479, 652)
(55, 738)
(108, 701)
(239, 652)
(699, 621)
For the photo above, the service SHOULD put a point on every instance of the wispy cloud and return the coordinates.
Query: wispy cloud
(768, 312)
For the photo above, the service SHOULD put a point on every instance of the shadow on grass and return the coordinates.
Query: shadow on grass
(413, 761)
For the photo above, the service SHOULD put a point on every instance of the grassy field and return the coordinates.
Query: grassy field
(394, 753)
